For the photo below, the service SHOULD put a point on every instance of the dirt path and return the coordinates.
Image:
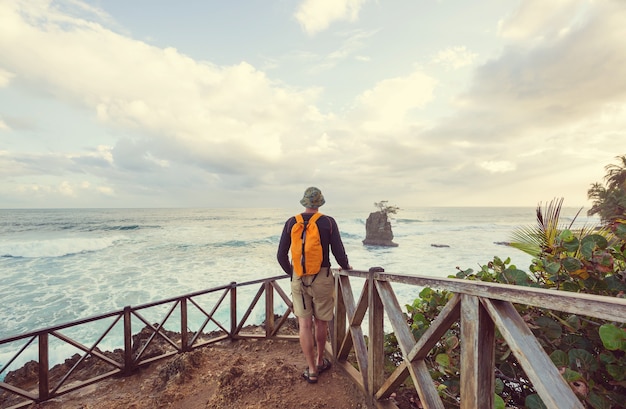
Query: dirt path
(246, 374)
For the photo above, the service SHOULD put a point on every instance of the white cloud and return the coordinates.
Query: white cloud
(542, 21)
(455, 57)
(66, 189)
(159, 126)
(187, 107)
(385, 107)
(352, 42)
(5, 77)
(501, 166)
(316, 15)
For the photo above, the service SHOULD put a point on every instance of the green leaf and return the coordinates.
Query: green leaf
(581, 359)
(571, 245)
(574, 322)
(620, 231)
(571, 376)
(443, 360)
(553, 267)
(559, 358)
(575, 341)
(534, 402)
(590, 243)
(498, 402)
(508, 370)
(598, 402)
(613, 283)
(499, 385)
(613, 337)
(550, 327)
(570, 286)
(572, 264)
(515, 276)
(426, 293)
(566, 236)
(607, 358)
(618, 372)
(599, 241)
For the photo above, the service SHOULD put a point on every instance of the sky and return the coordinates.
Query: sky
(246, 103)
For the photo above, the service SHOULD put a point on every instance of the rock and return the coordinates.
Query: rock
(378, 230)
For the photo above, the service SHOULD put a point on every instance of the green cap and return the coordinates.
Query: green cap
(313, 198)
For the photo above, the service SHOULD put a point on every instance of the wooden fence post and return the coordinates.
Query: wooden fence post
(376, 350)
(269, 309)
(184, 335)
(44, 374)
(233, 309)
(128, 342)
(339, 321)
(477, 355)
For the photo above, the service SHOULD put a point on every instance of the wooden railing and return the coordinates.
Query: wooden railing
(478, 307)
(118, 325)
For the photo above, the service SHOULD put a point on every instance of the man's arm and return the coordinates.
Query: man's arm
(283, 249)
(336, 246)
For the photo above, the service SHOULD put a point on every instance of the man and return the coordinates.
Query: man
(313, 295)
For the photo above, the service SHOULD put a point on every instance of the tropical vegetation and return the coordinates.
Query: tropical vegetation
(609, 202)
(590, 353)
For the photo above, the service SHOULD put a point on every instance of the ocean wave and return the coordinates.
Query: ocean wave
(57, 247)
(409, 221)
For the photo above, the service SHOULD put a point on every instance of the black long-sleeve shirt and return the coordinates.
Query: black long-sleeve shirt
(329, 236)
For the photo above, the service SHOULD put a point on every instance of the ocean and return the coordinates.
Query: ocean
(60, 265)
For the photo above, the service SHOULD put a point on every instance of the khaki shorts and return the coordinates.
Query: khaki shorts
(316, 299)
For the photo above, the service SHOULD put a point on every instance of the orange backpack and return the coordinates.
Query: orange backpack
(306, 246)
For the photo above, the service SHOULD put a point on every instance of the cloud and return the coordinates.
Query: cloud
(576, 75)
(316, 15)
(174, 130)
(386, 107)
(501, 166)
(352, 42)
(5, 77)
(219, 117)
(537, 21)
(455, 57)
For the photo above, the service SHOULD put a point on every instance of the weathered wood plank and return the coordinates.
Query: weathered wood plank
(400, 327)
(545, 377)
(339, 320)
(255, 300)
(477, 355)
(607, 308)
(376, 347)
(355, 336)
(362, 305)
(345, 290)
(287, 300)
(448, 315)
(269, 309)
(425, 387)
(393, 382)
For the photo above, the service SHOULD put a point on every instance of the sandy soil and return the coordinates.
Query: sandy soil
(246, 374)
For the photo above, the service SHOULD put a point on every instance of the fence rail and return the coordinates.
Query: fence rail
(479, 308)
(136, 351)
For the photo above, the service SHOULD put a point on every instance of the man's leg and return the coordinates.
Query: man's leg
(321, 329)
(306, 342)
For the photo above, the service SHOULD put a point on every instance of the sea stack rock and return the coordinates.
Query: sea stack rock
(378, 230)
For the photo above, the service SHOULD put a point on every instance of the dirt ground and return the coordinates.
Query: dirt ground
(246, 374)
